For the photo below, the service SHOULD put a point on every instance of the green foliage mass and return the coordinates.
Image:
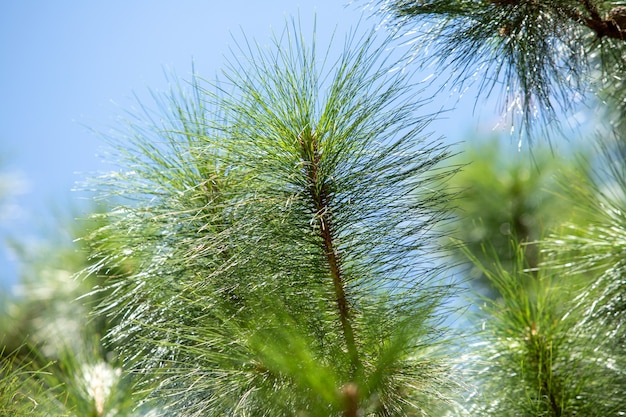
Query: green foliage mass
(54, 360)
(270, 244)
(510, 196)
(534, 352)
(278, 224)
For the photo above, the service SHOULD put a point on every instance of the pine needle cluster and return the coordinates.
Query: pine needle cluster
(543, 56)
(595, 250)
(535, 358)
(22, 391)
(276, 233)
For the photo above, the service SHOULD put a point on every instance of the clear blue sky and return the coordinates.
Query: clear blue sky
(71, 65)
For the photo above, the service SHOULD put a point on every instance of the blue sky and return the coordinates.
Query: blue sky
(72, 66)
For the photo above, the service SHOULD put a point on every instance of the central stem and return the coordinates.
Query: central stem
(320, 195)
(340, 295)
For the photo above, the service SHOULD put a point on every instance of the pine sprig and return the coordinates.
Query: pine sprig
(539, 55)
(277, 233)
(595, 250)
(534, 354)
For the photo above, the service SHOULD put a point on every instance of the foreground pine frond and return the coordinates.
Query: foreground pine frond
(276, 230)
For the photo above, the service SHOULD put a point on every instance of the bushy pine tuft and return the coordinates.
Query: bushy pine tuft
(277, 233)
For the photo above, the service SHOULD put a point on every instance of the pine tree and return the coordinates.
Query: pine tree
(273, 246)
(278, 234)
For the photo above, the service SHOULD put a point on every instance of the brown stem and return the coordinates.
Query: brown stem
(609, 27)
(602, 27)
(340, 295)
(319, 193)
(592, 9)
(351, 398)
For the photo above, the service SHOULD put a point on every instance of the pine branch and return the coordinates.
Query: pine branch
(281, 233)
(533, 355)
(609, 27)
(541, 53)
